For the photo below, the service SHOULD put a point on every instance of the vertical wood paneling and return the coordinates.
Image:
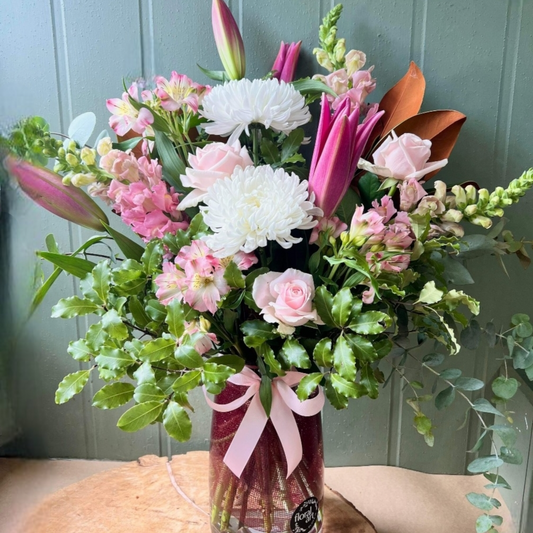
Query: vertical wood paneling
(63, 58)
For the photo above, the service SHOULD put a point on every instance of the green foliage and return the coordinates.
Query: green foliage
(71, 385)
(113, 395)
(139, 416)
(177, 422)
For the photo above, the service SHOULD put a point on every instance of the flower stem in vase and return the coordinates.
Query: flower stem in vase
(228, 504)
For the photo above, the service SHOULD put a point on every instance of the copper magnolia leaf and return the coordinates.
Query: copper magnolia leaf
(137, 151)
(440, 127)
(403, 100)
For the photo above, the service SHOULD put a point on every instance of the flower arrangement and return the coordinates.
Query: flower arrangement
(251, 260)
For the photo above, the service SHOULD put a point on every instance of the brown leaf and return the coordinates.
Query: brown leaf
(404, 99)
(440, 127)
(137, 151)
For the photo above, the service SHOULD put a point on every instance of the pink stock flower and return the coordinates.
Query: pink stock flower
(213, 162)
(122, 165)
(333, 226)
(125, 117)
(180, 91)
(171, 284)
(286, 61)
(339, 143)
(364, 226)
(286, 298)
(411, 192)
(403, 158)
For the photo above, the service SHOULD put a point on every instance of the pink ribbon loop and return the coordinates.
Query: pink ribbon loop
(284, 403)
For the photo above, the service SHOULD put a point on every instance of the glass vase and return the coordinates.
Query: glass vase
(263, 499)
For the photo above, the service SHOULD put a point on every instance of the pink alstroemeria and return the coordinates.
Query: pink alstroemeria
(286, 61)
(205, 288)
(180, 91)
(364, 226)
(171, 284)
(333, 226)
(228, 40)
(125, 117)
(339, 144)
(46, 188)
(199, 256)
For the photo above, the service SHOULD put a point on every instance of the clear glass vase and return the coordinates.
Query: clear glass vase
(263, 500)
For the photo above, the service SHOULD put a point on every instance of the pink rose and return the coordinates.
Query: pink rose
(286, 298)
(411, 192)
(405, 157)
(211, 163)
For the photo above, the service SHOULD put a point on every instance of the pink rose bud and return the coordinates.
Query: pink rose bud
(406, 157)
(47, 189)
(209, 164)
(286, 298)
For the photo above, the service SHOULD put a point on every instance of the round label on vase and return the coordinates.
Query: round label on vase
(305, 516)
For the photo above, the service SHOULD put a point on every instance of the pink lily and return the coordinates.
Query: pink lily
(228, 40)
(47, 189)
(286, 61)
(339, 144)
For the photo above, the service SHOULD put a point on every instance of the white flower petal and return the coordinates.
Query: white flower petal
(232, 107)
(256, 205)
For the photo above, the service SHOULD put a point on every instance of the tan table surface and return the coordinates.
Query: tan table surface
(395, 500)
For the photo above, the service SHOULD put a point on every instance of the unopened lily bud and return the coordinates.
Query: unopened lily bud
(471, 194)
(340, 50)
(88, 155)
(452, 215)
(72, 160)
(440, 191)
(355, 60)
(48, 190)
(482, 221)
(104, 146)
(323, 59)
(460, 196)
(228, 40)
(80, 180)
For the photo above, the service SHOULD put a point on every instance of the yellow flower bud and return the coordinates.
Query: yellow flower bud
(440, 191)
(452, 215)
(471, 194)
(460, 196)
(323, 59)
(470, 210)
(72, 146)
(88, 155)
(80, 180)
(484, 222)
(340, 50)
(104, 146)
(72, 160)
(355, 60)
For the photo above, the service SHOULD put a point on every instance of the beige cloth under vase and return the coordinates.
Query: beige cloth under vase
(395, 500)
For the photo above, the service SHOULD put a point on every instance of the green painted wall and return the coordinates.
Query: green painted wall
(61, 58)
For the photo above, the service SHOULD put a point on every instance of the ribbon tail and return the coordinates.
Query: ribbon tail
(287, 431)
(246, 437)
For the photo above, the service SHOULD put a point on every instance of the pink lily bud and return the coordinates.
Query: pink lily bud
(286, 61)
(340, 142)
(229, 41)
(47, 189)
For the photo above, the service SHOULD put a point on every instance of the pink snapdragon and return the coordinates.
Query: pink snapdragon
(355, 87)
(122, 165)
(332, 226)
(125, 117)
(411, 192)
(180, 92)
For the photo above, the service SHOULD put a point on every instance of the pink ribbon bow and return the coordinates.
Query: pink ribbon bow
(284, 401)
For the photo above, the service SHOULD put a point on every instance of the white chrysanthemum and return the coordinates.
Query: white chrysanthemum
(232, 107)
(256, 205)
